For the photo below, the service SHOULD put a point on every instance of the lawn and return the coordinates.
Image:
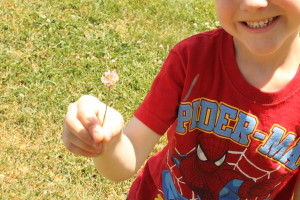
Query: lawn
(51, 53)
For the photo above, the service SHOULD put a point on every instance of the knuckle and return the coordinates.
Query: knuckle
(68, 122)
(72, 105)
(90, 120)
(84, 98)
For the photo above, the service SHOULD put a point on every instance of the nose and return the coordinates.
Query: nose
(253, 5)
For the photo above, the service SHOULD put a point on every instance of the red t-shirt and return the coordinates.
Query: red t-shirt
(226, 138)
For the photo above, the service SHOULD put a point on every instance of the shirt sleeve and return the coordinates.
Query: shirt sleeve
(159, 109)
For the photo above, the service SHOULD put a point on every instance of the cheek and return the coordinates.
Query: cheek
(225, 14)
(286, 2)
(288, 5)
(292, 8)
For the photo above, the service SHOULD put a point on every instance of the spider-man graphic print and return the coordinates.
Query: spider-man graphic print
(206, 172)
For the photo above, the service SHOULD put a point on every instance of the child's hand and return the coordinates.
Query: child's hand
(84, 132)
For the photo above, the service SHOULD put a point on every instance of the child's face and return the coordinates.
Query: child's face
(260, 26)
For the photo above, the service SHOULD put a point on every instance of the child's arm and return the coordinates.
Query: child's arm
(125, 150)
(297, 188)
(125, 154)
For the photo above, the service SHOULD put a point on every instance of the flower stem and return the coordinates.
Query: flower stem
(107, 101)
(104, 114)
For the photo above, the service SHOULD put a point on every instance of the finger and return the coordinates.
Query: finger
(88, 108)
(78, 151)
(73, 125)
(68, 137)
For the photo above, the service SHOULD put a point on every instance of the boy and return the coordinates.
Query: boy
(229, 99)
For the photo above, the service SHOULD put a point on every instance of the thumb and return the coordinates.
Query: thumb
(88, 110)
(97, 132)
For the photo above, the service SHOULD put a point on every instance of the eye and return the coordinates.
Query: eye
(201, 154)
(220, 162)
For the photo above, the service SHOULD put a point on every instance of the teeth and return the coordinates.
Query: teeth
(260, 24)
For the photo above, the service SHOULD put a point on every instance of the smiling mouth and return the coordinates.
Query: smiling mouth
(261, 23)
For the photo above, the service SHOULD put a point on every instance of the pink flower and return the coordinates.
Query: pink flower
(109, 79)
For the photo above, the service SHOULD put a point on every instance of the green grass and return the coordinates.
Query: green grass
(51, 53)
